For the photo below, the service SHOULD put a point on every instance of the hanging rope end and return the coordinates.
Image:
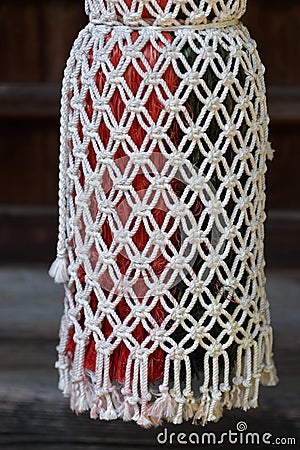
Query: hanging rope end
(270, 152)
(58, 270)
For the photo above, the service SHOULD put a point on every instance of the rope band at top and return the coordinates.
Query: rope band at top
(169, 27)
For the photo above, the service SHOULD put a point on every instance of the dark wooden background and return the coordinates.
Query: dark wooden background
(35, 39)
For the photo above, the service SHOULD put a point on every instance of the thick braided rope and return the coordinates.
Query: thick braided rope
(227, 237)
(164, 13)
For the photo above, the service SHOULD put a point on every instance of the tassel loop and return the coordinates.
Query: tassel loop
(180, 400)
(163, 407)
(103, 408)
(59, 269)
(144, 421)
(203, 409)
(216, 407)
(269, 375)
(270, 151)
(189, 407)
(81, 396)
(129, 409)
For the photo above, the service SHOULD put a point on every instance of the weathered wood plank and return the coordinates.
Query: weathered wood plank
(52, 425)
(34, 414)
(36, 37)
(39, 225)
(29, 100)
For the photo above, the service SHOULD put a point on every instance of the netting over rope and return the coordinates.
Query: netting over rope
(164, 139)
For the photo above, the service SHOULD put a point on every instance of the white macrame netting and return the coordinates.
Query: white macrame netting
(228, 181)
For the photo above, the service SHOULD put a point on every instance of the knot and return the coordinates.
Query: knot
(139, 353)
(103, 347)
(178, 314)
(92, 280)
(177, 263)
(237, 380)
(197, 332)
(122, 236)
(244, 102)
(140, 263)
(156, 133)
(134, 105)
(163, 389)
(100, 54)
(114, 79)
(247, 342)
(139, 311)
(216, 395)
(132, 19)
(132, 400)
(173, 105)
(194, 133)
(213, 103)
(119, 134)
(161, 184)
(131, 52)
(105, 307)
(120, 330)
(158, 334)
(107, 258)
(244, 202)
(153, 79)
(243, 254)
(142, 210)
(213, 261)
(194, 237)
(139, 158)
(231, 328)
(230, 180)
(267, 367)
(180, 399)
(214, 208)
(225, 387)
(177, 160)
(230, 233)
(215, 350)
(180, 210)
(122, 184)
(159, 238)
(197, 287)
(157, 289)
(204, 390)
(106, 207)
(193, 78)
(228, 78)
(177, 353)
(247, 383)
(209, 52)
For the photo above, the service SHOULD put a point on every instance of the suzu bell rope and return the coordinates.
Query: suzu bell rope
(164, 141)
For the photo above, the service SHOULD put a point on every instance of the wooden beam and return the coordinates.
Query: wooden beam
(284, 104)
(40, 100)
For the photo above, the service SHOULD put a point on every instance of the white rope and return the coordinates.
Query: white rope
(227, 236)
